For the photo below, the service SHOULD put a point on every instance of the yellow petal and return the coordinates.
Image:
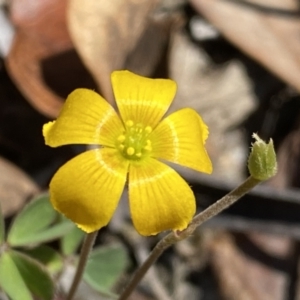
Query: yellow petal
(140, 99)
(87, 188)
(159, 198)
(86, 118)
(179, 138)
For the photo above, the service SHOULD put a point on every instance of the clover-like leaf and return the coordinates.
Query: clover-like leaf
(34, 275)
(105, 266)
(32, 225)
(35, 217)
(71, 241)
(46, 255)
(54, 232)
(11, 280)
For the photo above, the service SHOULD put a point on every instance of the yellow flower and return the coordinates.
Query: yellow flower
(87, 189)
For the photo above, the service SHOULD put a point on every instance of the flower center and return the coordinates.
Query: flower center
(134, 143)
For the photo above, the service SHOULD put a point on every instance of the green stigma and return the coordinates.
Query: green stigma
(134, 143)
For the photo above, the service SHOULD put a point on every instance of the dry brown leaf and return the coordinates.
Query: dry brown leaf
(267, 30)
(224, 97)
(15, 188)
(243, 277)
(41, 33)
(106, 32)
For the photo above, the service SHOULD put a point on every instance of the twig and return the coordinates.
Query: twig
(141, 251)
(174, 237)
(85, 251)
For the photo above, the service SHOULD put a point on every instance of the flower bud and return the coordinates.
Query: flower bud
(262, 162)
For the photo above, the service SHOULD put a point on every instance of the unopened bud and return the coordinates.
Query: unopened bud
(262, 162)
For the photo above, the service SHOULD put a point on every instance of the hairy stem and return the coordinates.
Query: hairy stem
(84, 254)
(174, 237)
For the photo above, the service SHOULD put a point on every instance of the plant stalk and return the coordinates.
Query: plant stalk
(176, 236)
(86, 248)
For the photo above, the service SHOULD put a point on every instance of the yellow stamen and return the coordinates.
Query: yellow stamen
(138, 154)
(148, 148)
(129, 123)
(148, 129)
(130, 151)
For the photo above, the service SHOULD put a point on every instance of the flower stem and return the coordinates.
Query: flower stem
(224, 202)
(85, 251)
(174, 237)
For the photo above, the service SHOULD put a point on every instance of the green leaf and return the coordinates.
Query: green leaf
(2, 227)
(71, 241)
(34, 275)
(104, 267)
(34, 218)
(49, 234)
(47, 256)
(11, 280)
